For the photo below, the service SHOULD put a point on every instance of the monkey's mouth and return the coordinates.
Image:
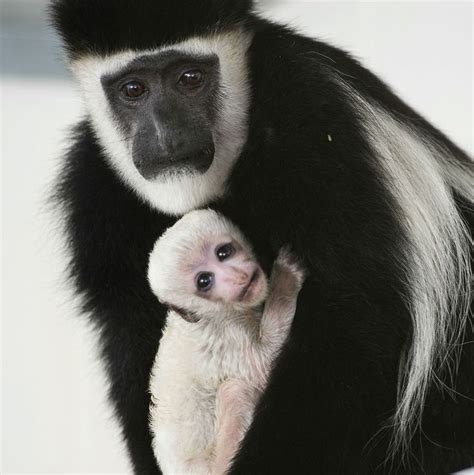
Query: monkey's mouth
(249, 287)
(155, 165)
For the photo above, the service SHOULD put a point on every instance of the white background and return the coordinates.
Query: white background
(55, 418)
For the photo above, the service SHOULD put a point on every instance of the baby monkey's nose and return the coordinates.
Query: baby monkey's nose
(239, 276)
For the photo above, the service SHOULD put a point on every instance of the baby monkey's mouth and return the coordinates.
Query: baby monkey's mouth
(249, 286)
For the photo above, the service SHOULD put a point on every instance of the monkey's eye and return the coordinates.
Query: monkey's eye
(133, 89)
(225, 251)
(205, 281)
(192, 78)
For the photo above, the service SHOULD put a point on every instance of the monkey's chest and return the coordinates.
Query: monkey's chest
(225, 359)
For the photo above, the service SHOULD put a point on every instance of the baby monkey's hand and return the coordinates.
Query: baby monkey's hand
(288, 273)
(287, 278)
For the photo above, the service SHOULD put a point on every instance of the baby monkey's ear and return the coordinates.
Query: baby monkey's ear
(185, 315)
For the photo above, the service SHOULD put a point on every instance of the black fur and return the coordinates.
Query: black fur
(108, 26)
(335, 384)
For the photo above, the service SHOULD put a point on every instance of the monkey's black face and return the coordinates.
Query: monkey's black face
(171, 121)
(165, 104)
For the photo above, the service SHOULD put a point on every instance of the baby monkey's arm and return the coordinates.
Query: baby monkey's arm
(236, 399)
(286, 281)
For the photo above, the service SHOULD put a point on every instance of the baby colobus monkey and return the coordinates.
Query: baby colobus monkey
(225, 327)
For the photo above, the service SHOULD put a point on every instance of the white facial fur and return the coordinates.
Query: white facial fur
(230, 277)
(175, 194)
(187, 249)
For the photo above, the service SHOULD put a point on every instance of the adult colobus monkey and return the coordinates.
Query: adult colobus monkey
(196, 103)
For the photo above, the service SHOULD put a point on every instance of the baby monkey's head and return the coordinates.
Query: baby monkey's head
(203, 266)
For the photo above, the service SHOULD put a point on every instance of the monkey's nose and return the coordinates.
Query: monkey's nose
(243, 279)
(239, 277)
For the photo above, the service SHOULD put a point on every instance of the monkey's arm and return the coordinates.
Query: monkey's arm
(286, 281)
(180, 416)
(235, 403)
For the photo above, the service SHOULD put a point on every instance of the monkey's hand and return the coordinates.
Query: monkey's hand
(288, 274)
(287, 278)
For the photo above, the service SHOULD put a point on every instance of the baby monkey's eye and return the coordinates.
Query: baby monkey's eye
(225, 251)
(204, 281)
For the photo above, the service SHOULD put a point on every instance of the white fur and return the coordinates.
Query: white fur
(420, 175)
(178, 246)
(235, 406)
(230, 345)
(193, 360)
(175, 193)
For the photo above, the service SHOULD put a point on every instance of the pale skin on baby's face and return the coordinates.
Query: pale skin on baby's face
(222, 270)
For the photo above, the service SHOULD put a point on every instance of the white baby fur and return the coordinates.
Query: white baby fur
(194, 359)
(419, 174)
(174, 250)
(175, 193)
